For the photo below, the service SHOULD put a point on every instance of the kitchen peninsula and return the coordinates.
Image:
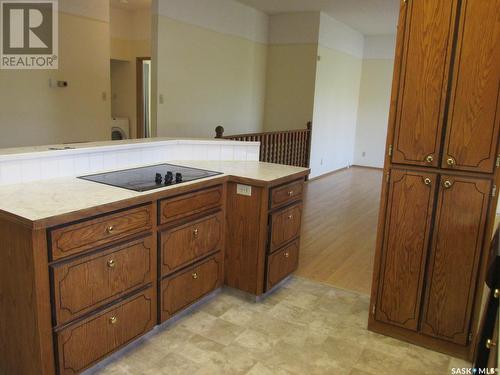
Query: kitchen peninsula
(86, 268)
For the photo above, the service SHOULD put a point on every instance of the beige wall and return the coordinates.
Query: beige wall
(31, 113)
(130, 38)
(207, 78)
(291, 75)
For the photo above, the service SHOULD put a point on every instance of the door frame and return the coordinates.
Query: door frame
(139, 97)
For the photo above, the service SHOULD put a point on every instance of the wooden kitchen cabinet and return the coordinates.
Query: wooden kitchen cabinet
(443, 126)
(84, 236)
(446, 109)
(406, 236)
(263, 233)
(282, 263)
(107, 275)
(458, 238)
(181, 245)
(471, 140)
(90, 340)
(421, 92)
(186, 287)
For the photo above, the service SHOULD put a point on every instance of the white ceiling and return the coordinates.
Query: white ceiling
(131, 4)
(370, 17)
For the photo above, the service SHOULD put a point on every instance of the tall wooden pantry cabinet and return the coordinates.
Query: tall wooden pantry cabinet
(441, 174)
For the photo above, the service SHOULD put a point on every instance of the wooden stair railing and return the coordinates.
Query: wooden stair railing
(289, 147)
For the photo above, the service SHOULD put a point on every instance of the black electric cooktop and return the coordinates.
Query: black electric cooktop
(150, 178)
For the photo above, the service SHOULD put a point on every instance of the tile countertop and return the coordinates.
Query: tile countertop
(44, 199)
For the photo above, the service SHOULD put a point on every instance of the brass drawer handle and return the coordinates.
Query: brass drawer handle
(427, 181)
(287, 254)
(496, 293)
(194, 275)
(113, 320)
(290, 193)
(451, 162)
(196, 232)
(110, 229)
(429, 159)
(447, 184)
(490, 344)
(111, 263)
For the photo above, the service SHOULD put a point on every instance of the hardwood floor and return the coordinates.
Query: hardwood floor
(339, 228)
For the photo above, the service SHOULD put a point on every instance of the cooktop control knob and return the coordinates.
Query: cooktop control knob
(178, 177)
(169, 177)
(158, 178)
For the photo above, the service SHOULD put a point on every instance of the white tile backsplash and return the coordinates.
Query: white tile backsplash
(227, 153)
(240, 153)
(58, 164)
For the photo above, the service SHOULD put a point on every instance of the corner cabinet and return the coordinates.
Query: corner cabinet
(441, 172)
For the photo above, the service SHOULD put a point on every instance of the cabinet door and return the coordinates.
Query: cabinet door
(423, 81)
(473, 121)
(453, 264)
(406, 240)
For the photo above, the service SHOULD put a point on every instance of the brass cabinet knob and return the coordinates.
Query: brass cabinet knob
(111, 263)
(496, 293)
(113, 320)
(447, 184)
(490, 344)
(429, 159)
(110, 229)
(427, 181)
(290, 217)
(451, 162)
(196, 232)
(194, 275)
(290, 193)
(287, 254)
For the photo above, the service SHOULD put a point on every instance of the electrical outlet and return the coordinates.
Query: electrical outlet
(244, 190)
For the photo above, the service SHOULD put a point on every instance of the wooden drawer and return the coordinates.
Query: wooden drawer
(89, 341)
(282, 263)
(286, 194)
(285, 225)
(184, 244)
(85, 284)
(190, 204)
(186, 287)
(89, 234)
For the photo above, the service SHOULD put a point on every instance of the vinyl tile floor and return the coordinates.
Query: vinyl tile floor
(304, 327)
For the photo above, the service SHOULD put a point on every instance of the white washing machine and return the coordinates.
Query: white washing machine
(120, 128)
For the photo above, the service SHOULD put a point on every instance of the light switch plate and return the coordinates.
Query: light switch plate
(244, 190)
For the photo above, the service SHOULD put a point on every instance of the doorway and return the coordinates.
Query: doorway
(143, 97)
